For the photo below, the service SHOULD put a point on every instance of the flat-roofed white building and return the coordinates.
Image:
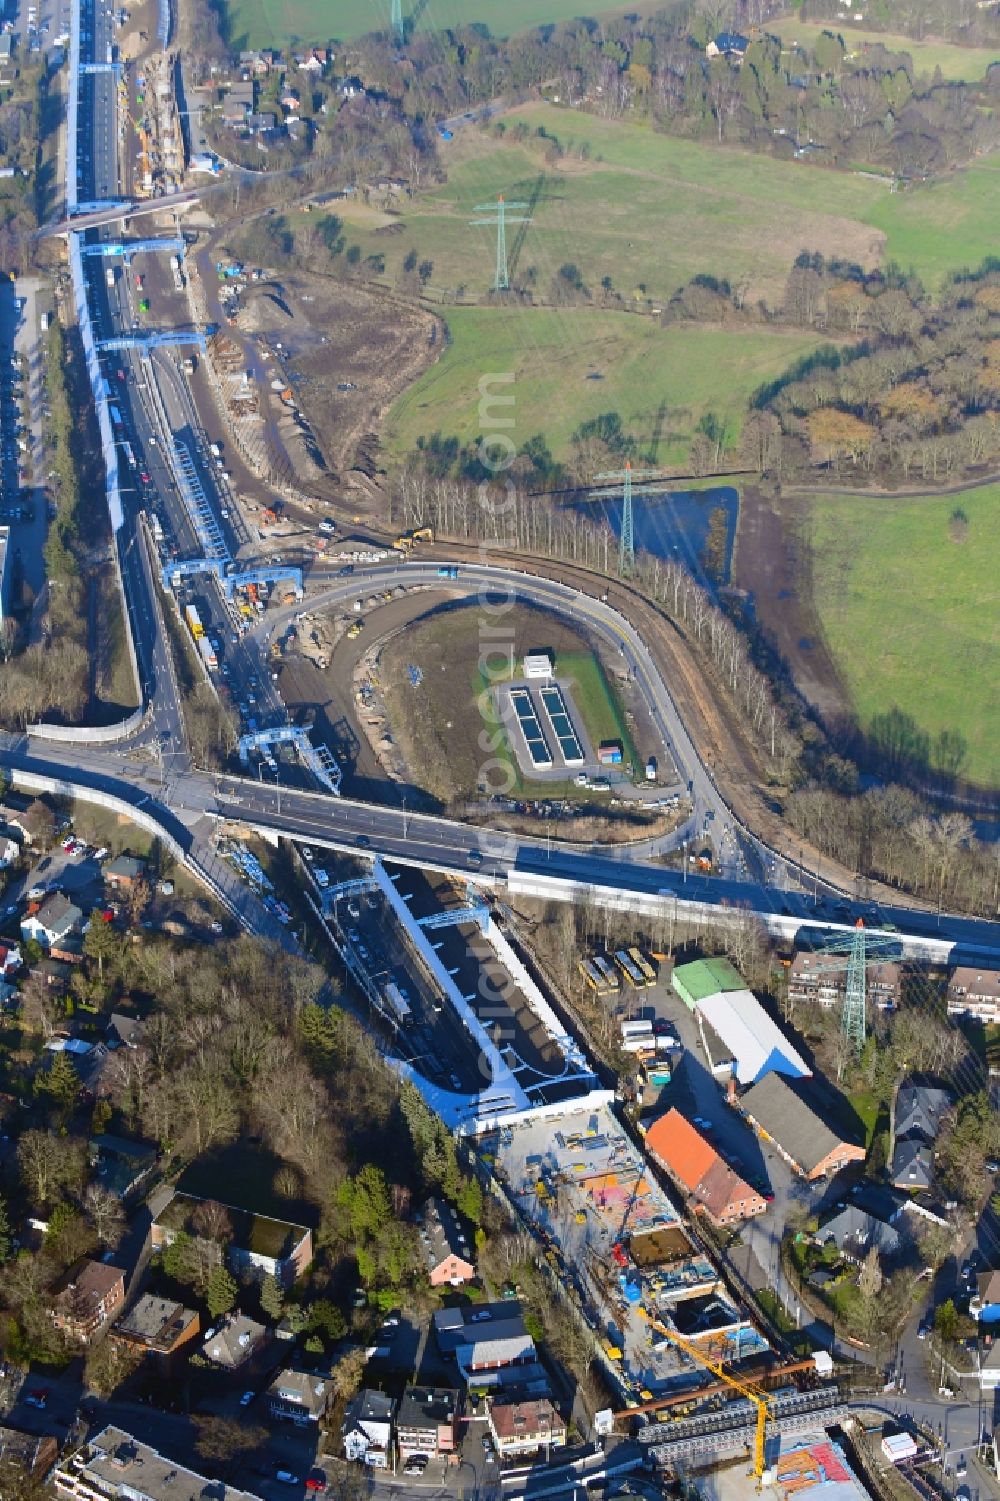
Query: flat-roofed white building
(538, 664)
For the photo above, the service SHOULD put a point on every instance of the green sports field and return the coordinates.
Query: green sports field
(274, 23)
(957, 64)
(570, 366)
(908, 604)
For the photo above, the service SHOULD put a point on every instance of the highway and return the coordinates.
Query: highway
(157, 407)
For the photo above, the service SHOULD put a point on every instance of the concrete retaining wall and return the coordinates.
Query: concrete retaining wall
(33, 781)
(78, 734)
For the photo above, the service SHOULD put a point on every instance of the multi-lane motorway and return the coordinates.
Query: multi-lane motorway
(156, 406)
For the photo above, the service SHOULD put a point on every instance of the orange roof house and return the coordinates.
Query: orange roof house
(696, 1167)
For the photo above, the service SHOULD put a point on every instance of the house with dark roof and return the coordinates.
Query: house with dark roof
(859, 1223)
(51, 922)
(526, 1427)
(299, 1397)
(917, 1115)
(124, 872)
(368, 1428)
(446, 1247)
(159, 1327)
(124, 1031)
(697, 1168)
(485, 1340)
(122, 1166)
(26, 1454)
(785, 1112)
(729, 44)
(974, 991)
(87, 1298)
(260, 1243)
(426, 1422)
(233, 1341)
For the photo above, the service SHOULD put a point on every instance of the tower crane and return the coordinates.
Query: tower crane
(746, 1388)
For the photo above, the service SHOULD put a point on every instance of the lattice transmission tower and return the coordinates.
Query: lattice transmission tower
(499, 214)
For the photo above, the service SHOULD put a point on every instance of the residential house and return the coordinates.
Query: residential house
(350, 88)
(160, 1327)
(693, 1163)
(728, 44)
(124, 1031)
(486, 1341)
(260, 124)
(787, 1113)
(917, 1116)
(256, 64)
(30, 817)
(89, 1058)
(114, 1464)
(10, 851)
(120, 1165)
(367, 1429)
(811, 981)
(55, 972)
(270, 1247)
(10, 959)
(974, 991)
(986, 1303)
(528, 1427)
(299, 1397)
(238, 104)
(51, 923)
(87, 1298)
(446, 1246)
(124, 872)
(27, 1454)
(233, 1341)
(855, 1228)
(427, 1422)
(290, 101)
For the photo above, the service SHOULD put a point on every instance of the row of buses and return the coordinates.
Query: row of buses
(605, 978)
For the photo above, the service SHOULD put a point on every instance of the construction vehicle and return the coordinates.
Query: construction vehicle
(406, 540)
(746, 1388)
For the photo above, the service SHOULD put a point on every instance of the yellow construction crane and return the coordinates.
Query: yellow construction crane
(747, 1389)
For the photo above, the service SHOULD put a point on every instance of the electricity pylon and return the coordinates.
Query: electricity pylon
(860, 949)
(626, 541)
(499, 214)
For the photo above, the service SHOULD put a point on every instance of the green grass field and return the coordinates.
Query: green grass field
(910, 615)
(651, 211)
(956, 63)
(555, 355)
(272, 23)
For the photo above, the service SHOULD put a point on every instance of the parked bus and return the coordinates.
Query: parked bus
(642, 963)
(631, 971)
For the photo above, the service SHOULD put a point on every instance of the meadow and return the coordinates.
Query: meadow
(650, 211)
(957, 64)
(273, 23)
(572, 364)
(907, 599)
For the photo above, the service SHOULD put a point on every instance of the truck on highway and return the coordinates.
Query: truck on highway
(398, 1004)
(109, 277)
(175, 269)
(207, 653)
(194, 622)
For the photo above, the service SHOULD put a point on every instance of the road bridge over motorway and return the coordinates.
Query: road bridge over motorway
(188, 806)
